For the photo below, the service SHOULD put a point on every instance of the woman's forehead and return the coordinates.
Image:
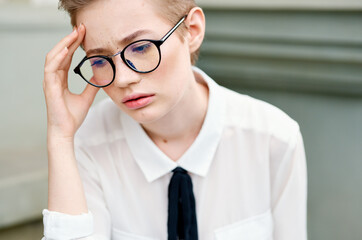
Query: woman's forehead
(109, 22)
(120, 10)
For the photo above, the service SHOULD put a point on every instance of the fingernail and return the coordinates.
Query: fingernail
(80, 25)
(74, 31)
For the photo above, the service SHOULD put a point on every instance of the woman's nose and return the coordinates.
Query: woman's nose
(125, 76)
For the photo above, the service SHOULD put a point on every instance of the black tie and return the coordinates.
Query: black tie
(181, 223)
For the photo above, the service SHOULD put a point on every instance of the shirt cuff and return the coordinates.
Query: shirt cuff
(64, 227)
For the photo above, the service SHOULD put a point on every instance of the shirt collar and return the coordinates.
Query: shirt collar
(197, 159)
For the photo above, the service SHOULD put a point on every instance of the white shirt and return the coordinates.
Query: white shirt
(247, 167)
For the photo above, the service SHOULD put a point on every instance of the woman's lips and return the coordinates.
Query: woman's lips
(136, 101)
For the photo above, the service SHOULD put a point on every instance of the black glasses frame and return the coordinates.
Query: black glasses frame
(157, 43)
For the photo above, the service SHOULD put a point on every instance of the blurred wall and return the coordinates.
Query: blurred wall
(303, 56)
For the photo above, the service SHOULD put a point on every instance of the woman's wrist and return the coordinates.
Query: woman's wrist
(57, 136)
(60, 147)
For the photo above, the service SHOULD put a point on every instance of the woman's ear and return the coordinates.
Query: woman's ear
(195, 23)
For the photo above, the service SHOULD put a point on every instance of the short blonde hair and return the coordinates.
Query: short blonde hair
(172, 10)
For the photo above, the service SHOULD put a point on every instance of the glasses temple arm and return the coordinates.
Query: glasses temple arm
(164, 38)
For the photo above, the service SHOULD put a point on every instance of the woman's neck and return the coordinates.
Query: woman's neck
(175, 132)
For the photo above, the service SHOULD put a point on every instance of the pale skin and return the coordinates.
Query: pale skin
(172, 120)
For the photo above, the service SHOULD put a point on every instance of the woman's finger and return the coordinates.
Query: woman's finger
(53, 65)
(74, 46)
(65, 42)
(89, 93)
(52, 79)
(80, 38)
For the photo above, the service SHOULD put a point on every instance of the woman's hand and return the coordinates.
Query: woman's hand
(65, 111)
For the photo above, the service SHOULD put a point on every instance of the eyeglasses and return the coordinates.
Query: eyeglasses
(142, 56)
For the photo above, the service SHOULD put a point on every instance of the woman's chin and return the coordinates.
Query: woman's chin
(145, 116)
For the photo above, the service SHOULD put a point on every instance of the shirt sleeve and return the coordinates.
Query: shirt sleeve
(63, 226)
(289, 189)
(94, 225)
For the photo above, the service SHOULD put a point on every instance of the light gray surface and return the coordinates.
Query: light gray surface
(29, 231)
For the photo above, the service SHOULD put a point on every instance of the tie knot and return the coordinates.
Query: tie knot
(179, 170)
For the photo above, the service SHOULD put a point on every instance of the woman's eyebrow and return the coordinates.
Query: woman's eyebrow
(132, 36)
(122, 42)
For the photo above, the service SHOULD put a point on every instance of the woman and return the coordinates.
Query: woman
(171, 155)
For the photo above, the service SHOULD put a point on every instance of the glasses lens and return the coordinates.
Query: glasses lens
(97, 70)
(142, 56)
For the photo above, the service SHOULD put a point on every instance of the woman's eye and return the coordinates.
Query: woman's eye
(141, 49)
(98, 63)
